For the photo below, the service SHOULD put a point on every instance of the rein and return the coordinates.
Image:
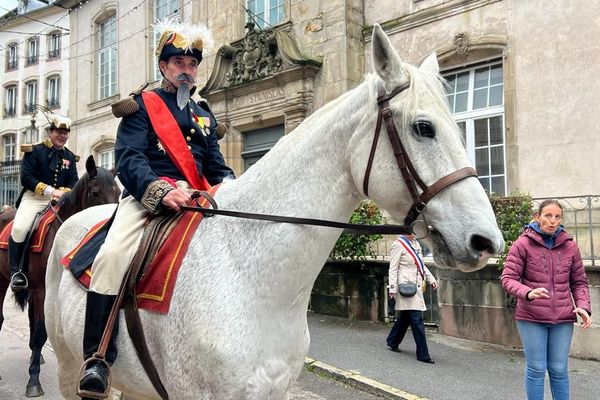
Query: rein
(409, 173)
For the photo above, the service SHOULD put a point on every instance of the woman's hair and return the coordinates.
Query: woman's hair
(547, 203)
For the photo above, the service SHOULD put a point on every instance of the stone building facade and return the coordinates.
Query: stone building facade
(521, 74)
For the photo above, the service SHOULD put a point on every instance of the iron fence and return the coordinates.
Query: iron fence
(581, 219)
(9, 181)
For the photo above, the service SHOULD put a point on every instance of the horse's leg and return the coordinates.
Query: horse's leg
(4, 283)
(37, 339)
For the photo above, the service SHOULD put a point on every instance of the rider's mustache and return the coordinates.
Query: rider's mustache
(183, 77)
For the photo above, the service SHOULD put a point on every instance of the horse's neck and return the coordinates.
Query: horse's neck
(306, 175)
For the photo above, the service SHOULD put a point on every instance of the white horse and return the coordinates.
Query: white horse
(237, 326)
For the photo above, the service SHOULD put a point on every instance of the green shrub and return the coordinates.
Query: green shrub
(513, 213)
(359, 247)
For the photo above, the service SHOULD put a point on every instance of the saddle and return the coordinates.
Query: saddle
(38, 232)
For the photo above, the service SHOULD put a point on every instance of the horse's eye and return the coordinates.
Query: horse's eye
(424, 129)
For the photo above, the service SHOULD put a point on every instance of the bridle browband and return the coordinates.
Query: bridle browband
(410, 175)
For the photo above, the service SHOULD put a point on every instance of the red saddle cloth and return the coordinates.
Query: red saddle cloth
(155, 289)
(39, 236)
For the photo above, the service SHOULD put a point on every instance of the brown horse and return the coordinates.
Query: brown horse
(97, 186)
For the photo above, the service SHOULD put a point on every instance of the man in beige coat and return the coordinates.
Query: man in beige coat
(407, 266)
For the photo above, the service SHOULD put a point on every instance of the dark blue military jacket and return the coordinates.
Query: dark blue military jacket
(141, 158)
(49, 166)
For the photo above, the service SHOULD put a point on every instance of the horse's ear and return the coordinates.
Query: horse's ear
(90, 167)
(386, 60)
(430, 64)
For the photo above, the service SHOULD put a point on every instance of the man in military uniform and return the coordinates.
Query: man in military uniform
(166, 147)
(48, 170)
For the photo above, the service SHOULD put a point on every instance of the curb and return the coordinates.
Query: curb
(358, 381)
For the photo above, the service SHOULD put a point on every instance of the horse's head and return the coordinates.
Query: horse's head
(96, 187)
(434, 176)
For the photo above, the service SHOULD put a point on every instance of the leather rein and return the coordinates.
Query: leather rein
(409, 173)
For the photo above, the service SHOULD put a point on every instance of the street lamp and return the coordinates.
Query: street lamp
(32, 131)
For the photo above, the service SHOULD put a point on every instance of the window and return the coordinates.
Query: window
(12, 57)
(32, 51)
(476, 98)
(30, 96)
(9, 147)
(258, 142)
(266, 12)
(54, 45)
(53, 97)
(107, 58)
(162, 9)
(107, 158)
(10, 101)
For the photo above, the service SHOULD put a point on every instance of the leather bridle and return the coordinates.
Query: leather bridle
(410, 175)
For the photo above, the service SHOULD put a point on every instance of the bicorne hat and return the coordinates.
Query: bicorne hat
(181, 39)
(59, 122)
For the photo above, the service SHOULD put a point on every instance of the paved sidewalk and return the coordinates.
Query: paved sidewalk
(355, 351)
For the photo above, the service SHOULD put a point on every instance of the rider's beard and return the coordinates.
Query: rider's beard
(183, 92)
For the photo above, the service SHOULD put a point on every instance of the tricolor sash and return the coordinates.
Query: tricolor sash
(413, 253)
(170, 136)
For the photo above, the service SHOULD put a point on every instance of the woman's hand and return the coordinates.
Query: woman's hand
(538, 293)
(434, 285)
(586, 319)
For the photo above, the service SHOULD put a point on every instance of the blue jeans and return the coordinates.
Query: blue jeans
(546, 349)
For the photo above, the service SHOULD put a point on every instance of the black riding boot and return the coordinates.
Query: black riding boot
(18, 280)
(95, 378)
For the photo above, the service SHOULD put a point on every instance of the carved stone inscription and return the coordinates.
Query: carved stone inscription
(263, 96)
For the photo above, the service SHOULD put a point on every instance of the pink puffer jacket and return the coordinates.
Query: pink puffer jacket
(531, 265)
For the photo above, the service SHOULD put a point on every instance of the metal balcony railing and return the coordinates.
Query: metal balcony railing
(9, 112)
(29, 108)
(10, 168)
(53, 103)
(581, 218)
(52, 54)
(11, 65)
(31, 60)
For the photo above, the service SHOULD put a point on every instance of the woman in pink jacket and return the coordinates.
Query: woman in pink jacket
(544, 271)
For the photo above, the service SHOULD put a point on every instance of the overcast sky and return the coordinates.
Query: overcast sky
(7, 4)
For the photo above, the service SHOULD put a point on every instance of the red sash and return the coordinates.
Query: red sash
(171, 138)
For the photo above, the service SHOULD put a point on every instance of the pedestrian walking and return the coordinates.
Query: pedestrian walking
(408, 275)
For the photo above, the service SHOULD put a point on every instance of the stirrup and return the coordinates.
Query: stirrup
(88, 393)
(16, 288)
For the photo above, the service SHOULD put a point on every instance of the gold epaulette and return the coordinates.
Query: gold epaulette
(222, 130)
(27, 148)
(47, 143)
(127, 106)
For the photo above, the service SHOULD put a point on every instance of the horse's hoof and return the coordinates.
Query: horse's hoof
(34, 391)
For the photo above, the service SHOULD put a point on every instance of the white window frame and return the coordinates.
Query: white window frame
(31, 95)
(10, 105)
(263, 17)
(53, 91)
(107, 57)
(106, 158)
(9, 142)
(32, 50)
(12, 60)
(469, 117)
(162, 9)
(54, 45)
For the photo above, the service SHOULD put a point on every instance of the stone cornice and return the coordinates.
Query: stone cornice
(427, 16)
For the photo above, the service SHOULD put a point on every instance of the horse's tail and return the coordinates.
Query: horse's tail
(22, 298)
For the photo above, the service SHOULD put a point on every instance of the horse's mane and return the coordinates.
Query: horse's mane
(75, 197)
(436, 96)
